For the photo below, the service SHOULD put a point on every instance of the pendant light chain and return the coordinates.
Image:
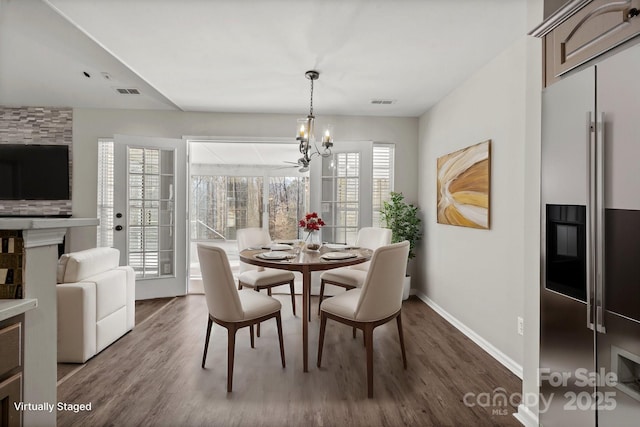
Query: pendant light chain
(311, 106)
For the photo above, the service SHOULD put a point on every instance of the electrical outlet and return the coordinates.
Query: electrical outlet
(520, 325)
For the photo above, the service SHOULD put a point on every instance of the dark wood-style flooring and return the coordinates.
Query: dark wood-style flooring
(152, 376)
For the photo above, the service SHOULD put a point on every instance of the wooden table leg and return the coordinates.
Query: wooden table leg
(306, 290)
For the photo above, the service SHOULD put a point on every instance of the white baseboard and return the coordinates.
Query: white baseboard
(526, 417)
(505, 360)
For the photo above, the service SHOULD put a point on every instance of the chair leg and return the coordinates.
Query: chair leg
(279, 323)
(368, 339)
(206, 341)
(239, 286)
(251, 332)
(231, 332)
(269, 291)
(258, 324)
(400, 335)
(321, 295)
(354, 332)
(323, 325)
(293, 296)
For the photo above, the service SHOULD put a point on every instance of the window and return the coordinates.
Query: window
(105, 193)
(382, 178)
(220, 205)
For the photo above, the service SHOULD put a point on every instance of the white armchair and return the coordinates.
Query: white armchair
(96, 302)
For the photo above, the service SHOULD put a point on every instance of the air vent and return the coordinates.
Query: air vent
(127, 91)
(383, 101)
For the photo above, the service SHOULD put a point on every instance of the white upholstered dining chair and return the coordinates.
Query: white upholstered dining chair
(377, 302)
(353, 276)
(259, 278)
(231, 308)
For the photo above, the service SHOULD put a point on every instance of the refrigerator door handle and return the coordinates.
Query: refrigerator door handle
(590, 228)
(599, 219)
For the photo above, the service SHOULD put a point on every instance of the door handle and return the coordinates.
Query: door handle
(599, 224)
(591, 215)
(118, 228)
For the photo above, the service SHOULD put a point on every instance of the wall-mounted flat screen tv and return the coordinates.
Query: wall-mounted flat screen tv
(34, 172)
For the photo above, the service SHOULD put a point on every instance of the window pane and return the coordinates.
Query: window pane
(105, 193)
(136, 213)
(222, 204)
(383, 158)
(136, 160)
(151, 161)
(287, 201)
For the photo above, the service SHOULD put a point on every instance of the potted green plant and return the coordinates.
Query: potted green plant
(403, 220)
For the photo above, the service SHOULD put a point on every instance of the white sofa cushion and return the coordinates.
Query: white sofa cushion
(111, 292)
(76, 310)
(111, 328)
(77, 266)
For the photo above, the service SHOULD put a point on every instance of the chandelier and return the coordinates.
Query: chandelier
(305, 133)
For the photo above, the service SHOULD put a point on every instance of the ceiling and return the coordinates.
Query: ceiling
(249, 56)
(255, 154)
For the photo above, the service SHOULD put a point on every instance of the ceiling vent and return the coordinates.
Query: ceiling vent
(383, 101)
(127, 91)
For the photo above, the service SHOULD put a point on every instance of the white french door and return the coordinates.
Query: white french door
(150, 212)
(341, 190)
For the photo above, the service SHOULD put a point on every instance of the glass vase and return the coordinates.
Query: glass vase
(313, 241)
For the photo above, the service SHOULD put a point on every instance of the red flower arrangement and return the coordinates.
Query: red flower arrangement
(311, 222)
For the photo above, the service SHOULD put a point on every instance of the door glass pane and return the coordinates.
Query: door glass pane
(220, 205)
(341, 197)
(287, 204)
(151, 195)
(105, 193)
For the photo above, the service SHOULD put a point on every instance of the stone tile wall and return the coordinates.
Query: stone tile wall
(37, 125)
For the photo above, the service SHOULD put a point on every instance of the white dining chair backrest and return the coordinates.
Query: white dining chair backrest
(251, 237)
(219, 287)
(371, 238)
(381, 294)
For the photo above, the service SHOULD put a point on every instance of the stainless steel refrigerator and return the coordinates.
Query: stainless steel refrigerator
(590, 266)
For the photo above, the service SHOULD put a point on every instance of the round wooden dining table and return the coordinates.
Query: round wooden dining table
(305, 262)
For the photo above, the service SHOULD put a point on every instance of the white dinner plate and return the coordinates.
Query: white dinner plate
(278, 247)
(286, 242)
(336, 246)
(273, 255)
(338, 255)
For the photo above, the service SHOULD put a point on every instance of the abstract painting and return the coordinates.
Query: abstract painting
(463, 186)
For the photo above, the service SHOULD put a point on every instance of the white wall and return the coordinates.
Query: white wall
(531, 274)
(477, 275)
(91, 124)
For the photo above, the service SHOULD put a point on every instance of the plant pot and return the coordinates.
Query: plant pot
(406, 287)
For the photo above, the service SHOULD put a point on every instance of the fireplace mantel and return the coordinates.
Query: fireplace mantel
(41, 238)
